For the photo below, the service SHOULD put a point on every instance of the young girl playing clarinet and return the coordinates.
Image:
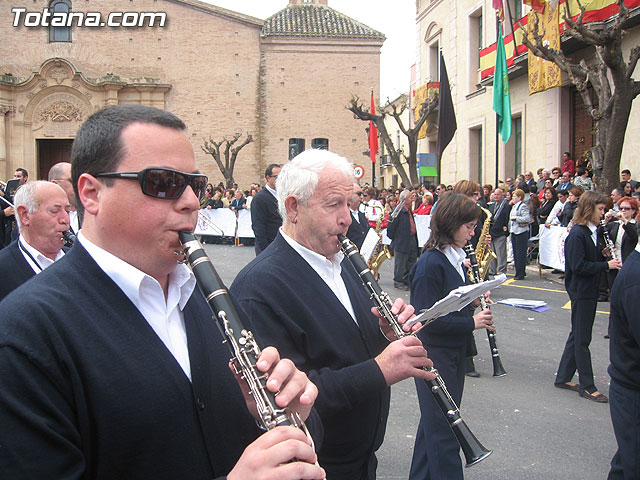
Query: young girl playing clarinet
(439, 270)
(583, 265)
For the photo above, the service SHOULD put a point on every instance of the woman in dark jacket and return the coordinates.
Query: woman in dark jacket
(572, 202)
(549, 200)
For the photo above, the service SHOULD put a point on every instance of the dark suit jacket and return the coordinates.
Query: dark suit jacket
(294, 309)
(583, 264)
(399, 231)
(501, 220)
(265, 219)
(565, 187)
(111, 400)
(358, 230)
(629, 239)
(624, 348)
(237, 204)
(14, 269)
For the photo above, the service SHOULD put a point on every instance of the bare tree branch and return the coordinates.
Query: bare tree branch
(230, 152)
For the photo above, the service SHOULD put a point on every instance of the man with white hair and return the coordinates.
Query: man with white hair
(307, 299)
(404, 240)
(42, 214)
(60, 174)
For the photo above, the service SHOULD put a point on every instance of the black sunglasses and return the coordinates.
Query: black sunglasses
(165, 183)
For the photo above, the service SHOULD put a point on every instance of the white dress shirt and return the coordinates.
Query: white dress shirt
(456, 257)
(164, 315)
(329, 271)
(36, 260)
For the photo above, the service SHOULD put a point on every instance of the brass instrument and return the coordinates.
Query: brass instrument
(484, 254)
(381, 252)
(474, 452)
(476, 277)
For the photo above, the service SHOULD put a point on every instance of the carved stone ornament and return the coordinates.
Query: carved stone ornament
(59, 74)
(61, 112)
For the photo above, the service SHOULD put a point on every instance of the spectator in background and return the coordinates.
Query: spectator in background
(534, 206)
(626, 187)
(239, 202)
(570, 206)
(487, 190)
(402, 231)
(616, 196)
(565, 182)
(265, 217)
(425, 207)
(543, 175)
(528, 180)
(216, 201)
(550, 199)
(499, 231)
(582, 179)
(519, 230)
(568, 165)
(510, 184)
(370, 206)
(625, 176)
(556, 211)
(555, 175)
(548, 183)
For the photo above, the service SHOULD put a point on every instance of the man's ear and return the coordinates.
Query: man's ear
(292, 205)
(23, 215)
(89, 188)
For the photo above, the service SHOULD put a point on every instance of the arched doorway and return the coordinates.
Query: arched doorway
(51, 152)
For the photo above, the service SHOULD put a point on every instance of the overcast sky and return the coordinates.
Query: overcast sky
(394, 18)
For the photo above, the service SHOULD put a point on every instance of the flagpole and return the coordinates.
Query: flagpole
(497, 120)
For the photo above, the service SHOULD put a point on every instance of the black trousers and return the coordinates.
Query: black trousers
(404, 261)
(519, 243)
(624, 405)
(576, 355)
(436, 453)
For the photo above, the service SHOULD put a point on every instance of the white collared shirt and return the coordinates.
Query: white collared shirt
(163, 315)
(456, 257)
(74, 222)
(354, 214)
(594, 233)
(273, 192)
(329, 271)
(37, 261)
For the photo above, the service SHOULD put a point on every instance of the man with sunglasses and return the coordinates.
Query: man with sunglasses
(265, 218)
(359, 225)
(110, 363)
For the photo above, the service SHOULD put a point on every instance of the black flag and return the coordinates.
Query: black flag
(447, 125)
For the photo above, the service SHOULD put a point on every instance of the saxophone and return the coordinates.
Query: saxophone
(484, 254)
(381, 252)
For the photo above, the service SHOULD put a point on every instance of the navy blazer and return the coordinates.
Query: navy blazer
(501, 220)
(358, 230)
(432, 278)
(293, 309)
(14, 269)
(583, 263)
(399, 231)
(624, 349)
(265, 218)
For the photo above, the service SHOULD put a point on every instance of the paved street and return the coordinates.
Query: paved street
(536, 431)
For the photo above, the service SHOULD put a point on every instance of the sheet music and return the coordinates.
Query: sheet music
(369, 244)
(456, 300)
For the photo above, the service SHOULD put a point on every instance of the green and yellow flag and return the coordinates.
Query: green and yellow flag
(501, 94)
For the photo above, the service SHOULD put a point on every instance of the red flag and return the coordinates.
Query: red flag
(373, 134)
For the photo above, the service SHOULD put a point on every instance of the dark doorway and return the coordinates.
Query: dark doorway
(583, 126)
(51, 152)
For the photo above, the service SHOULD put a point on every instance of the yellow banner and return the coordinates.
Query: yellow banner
(421, 95)
(544, 74)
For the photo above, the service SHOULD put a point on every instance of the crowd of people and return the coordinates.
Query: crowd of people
(111, 368)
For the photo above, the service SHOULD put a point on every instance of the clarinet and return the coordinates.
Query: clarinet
(474, 451)
(244, 347)
(607, 240)
(498, 369)
(69, 238)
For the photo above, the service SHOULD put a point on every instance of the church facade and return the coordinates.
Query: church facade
(285, 80)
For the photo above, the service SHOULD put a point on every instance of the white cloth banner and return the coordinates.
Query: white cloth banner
(423, 230)
(551, 246)
(244, 225)
(217, 222)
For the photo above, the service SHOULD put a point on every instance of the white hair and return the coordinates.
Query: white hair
(403, 195)
(27, 196)
(299, 177)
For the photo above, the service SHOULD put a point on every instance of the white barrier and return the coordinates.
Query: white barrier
(218, 222)
(551, 246)
(244, 225)
(423, 230)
